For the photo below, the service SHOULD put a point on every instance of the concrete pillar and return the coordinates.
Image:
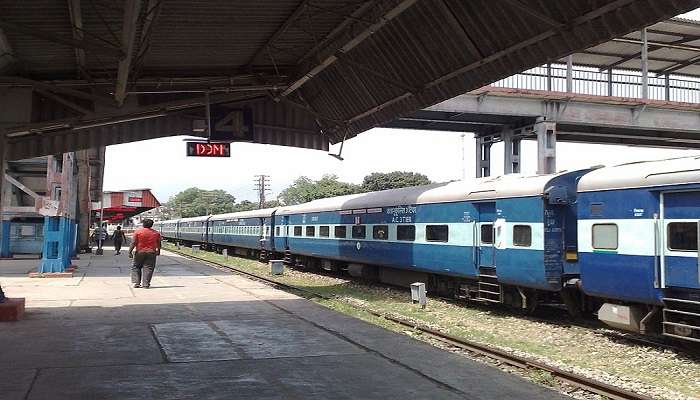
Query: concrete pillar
(569, 74)
(4, 220)
(645, 65)
(511, 153)
(546, 146)
(483, 157)
(84, 200)
(60, 228)
(15, 109)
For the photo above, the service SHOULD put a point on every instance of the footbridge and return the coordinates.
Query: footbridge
(642, 89)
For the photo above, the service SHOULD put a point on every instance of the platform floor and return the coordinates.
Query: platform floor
(201, 333)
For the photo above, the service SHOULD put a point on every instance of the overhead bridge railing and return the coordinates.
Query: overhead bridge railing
(590, 81)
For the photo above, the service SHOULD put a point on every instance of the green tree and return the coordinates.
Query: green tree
(305, 189)
(245, 205)
(195, 202)
(393, 180)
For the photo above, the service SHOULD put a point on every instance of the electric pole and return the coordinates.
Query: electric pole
(262, 186)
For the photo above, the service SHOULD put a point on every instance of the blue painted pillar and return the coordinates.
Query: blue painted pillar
(59, 244)
(5, 240)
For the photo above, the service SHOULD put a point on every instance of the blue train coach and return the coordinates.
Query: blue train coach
(638, 245)
(500, 239)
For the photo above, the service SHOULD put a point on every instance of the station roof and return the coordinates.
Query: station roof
(673, 48)
(311, 71)
(124, 204)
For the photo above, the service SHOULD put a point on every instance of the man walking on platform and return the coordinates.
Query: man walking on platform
(119, 238)
(146, 241)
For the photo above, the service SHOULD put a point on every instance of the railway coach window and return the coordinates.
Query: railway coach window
(522, 235)
(277, 231)
(310, 231)
(359, 231)
(380, 232)
(487, 234)
(340, 232)
(605, 236)
(297, 231)
(406, 232)
(683, 236)
(324, 231)
(436, 233)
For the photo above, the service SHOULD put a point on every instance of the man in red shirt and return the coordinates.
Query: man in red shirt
(146, 241)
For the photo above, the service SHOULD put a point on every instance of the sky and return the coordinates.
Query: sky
(161, 164)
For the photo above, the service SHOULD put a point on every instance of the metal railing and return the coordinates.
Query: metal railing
(592, 82)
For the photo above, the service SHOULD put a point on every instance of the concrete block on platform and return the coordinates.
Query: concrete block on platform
(12, 309)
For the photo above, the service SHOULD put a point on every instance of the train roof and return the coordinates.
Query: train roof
(667, 172)
(513, 185)
(195, 219)
(261, 213)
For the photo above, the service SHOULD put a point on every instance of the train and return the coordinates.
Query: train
(618, 242)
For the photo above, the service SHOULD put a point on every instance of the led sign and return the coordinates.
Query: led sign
(203, 149)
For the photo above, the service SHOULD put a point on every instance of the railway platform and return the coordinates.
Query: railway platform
(203, 333)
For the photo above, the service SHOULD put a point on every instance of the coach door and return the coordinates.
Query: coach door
(285, 232)
(680, 217)
(485, 232)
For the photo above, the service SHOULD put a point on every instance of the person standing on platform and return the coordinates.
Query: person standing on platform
(119, 238)
(146, 241)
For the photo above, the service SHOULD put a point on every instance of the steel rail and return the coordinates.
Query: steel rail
(580, 381)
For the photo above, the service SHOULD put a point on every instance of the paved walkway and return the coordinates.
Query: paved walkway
(200, 333)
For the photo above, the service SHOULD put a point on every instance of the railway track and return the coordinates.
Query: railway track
(572, 379)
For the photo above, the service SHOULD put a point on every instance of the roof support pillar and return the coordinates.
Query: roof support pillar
(83, 185)
(549, 77)
(483, 157)
(610, 82)
(4, 222)
(546, 146)
(667, 87)
(569, 74)
(511, 153)
(645, 65)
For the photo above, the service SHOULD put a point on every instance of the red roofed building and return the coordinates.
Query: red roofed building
(124, 204)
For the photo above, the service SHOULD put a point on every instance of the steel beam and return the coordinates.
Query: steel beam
(17, 81)
(540, 16)
(95, 46)
(76, 19)
(22, 187)
(569, 74)
(645, 64)
(131, 16)
(65, 102)
(460, 30)
(282, 28)
(349, 45)
(7, 56)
